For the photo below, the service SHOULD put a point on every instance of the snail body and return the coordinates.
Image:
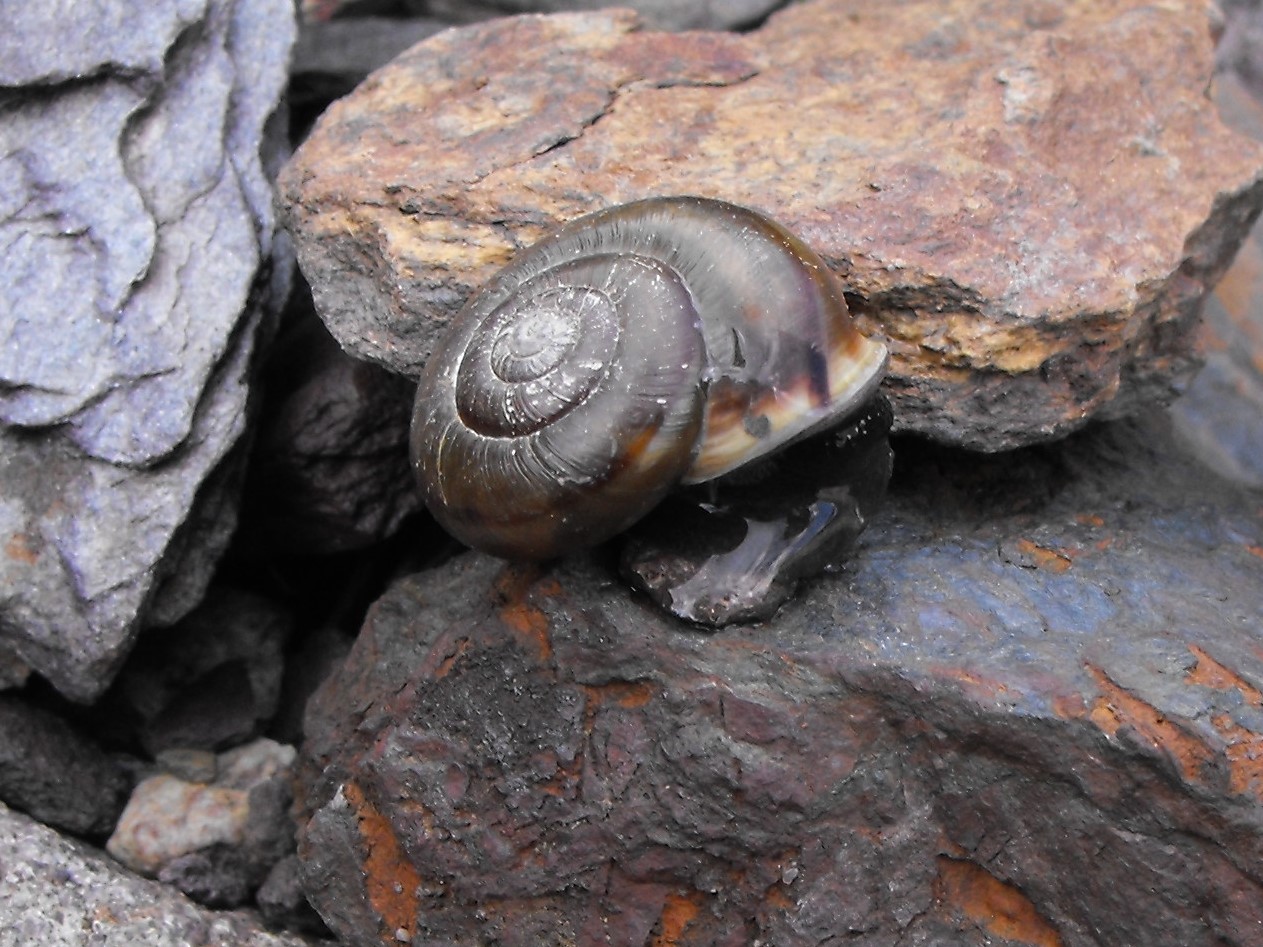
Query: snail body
(665, 341)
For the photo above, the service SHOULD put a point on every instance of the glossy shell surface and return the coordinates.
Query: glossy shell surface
(669, 340)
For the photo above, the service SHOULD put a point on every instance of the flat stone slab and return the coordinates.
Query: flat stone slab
(1027, 201)
(1030, 711)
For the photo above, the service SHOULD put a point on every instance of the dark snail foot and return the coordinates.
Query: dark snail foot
(735, 550)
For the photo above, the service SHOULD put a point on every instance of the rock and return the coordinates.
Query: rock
(1036, 662)
(282, 903)
(330, 469)
(1221, 413)
(955, 167)
(656, 14)
(211, 681)
(61, 893)
(192, 766)
(216, 842)
(167, 818)
(51, 771)
(332, 57)
(136, 207)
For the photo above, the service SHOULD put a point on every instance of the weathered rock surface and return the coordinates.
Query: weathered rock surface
(658, 14)
(1020, 199)
(136, 216)
(1221, 413)
(330, 468)
(53, 772)
(211, 681)
(1037, 662)
(661, 14)
(215, 841)
(61, 893)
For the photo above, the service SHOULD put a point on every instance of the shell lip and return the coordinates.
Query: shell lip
(733, 441)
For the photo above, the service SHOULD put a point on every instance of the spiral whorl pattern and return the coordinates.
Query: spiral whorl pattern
(667, 340)
(564, 411)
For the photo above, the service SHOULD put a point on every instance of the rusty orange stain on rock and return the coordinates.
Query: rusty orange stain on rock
(1243, 752)
(1243, 748)
(1210, 673)
(1043, 557)
(1255, 551)
(449, 662)
(530, 626)
(1089, 519)
(999, 908)
(19, 547)
(678, 914)
(629, 694)
(391, 882)
(1116, 709)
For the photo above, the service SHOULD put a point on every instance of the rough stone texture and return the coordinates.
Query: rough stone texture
(332, 58)
(61, 893)
(1018, 197)
(53, 772)
(658, 14)
(282, 902)
(209, 682)
(137, 226)
(330, 468)
(662, 14)
(1221, 413)
(1029, 712)
(218, 841)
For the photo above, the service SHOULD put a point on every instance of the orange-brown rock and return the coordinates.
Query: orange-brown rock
(1029, 202)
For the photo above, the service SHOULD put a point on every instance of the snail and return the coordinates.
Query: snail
(663, 342)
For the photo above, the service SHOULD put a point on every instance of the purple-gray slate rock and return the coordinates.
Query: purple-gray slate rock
(62, 893)
(51, 771)
(1030, 711)
(140, 257)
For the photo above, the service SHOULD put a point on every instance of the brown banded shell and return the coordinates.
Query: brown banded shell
(664, 341)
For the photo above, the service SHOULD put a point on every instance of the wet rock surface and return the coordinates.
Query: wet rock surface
(137, 216)
(62, 893)
(1022, 650)
(956, 175)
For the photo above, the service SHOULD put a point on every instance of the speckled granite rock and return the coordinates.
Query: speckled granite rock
(61, 893)
(1021, 199)
(136, 212)
(1036, 662)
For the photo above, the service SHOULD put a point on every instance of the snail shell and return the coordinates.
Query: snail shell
(665, 341)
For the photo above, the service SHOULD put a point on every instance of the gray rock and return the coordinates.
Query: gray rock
(61, 893)
(281, 900)
(212, 680)
(51, 771)
(216, 842)
(331, 58)
(657, 14)
(135, 209)
(330, 468)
